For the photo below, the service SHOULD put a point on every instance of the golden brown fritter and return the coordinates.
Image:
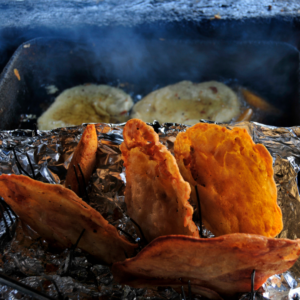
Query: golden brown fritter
(221, 265)
(156, 195)
(59, 216)
(88, 103)
(85, 155)
(187, 102)
(234, 179)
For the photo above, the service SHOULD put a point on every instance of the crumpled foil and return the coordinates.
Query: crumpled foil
(26, 257)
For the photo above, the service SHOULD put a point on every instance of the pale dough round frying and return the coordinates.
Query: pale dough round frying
(187, 102)
(87, 104)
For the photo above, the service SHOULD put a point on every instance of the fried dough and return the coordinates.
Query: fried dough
(156, 195)
(87, 104)
(187, 102)
(223, 264)
(234, 179)
(59, 216)
(85, 155)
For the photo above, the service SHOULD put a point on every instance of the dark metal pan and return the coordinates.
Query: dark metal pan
(142, 65)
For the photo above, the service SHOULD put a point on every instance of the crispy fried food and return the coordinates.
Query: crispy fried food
(234, 179)
(87, 104)
(85, 155)
(156, 195)
(223, 264)
(59, 216)
(187, 102)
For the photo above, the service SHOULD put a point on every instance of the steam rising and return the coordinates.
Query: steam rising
(143, 45)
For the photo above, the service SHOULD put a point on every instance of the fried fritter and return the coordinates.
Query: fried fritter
(234, 179)
(223, 264)
(187, 102)
(59, 216)
(156, 195)
(87, 104)
(85, 155)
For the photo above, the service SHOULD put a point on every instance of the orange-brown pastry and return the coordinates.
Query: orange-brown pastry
(85, 155)
(234, 177)
(59, 216)
(221, 265)
(156, 195)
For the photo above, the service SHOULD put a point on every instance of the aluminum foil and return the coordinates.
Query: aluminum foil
(29, 259)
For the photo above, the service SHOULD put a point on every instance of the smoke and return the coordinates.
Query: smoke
(249, 53)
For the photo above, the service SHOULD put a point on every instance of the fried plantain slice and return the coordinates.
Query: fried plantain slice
(223, 264)
(85, 155)
(156, 195)
(234, 178)
(59, 216)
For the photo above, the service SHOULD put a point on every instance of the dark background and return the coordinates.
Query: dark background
(265, 20)
(135, 22)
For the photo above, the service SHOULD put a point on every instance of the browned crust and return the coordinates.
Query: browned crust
(59, 216)
(234, 177)
(156, 194)
(85, 155)
(223, 264)
(138, 134)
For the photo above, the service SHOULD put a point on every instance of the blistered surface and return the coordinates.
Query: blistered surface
(32, 261)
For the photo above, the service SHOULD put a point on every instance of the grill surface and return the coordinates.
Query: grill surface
(270, 69)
